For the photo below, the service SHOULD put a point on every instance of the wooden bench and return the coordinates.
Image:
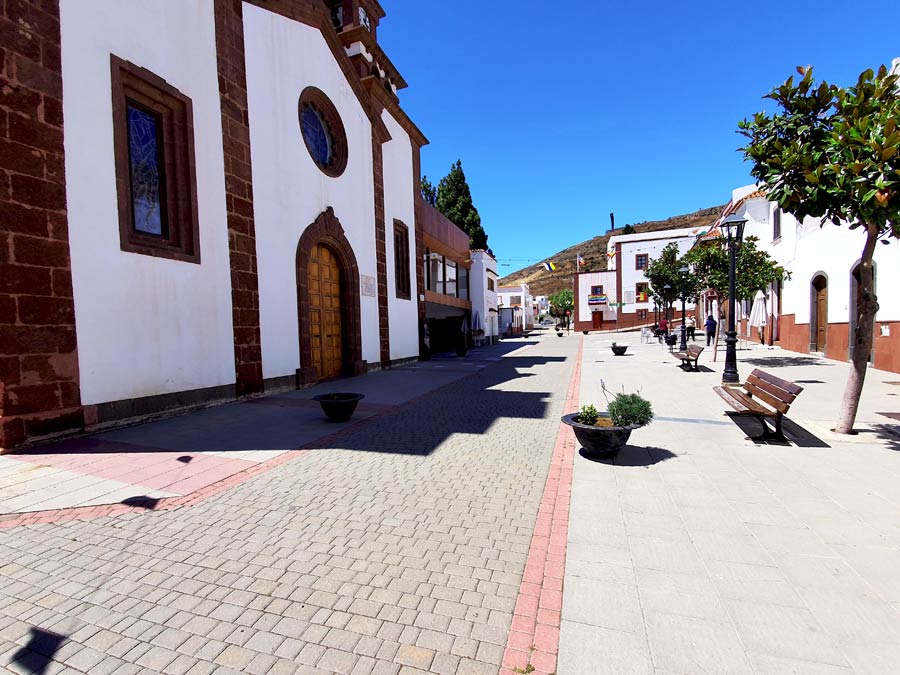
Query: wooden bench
(691, 354)
(768, 389)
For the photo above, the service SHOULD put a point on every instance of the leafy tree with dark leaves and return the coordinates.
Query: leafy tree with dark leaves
(454, 200)
(833, 153)
(562, 302)
(754, 270)
(665, 271)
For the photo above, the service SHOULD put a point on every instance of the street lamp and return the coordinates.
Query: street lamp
(684, 272)
(733, 226)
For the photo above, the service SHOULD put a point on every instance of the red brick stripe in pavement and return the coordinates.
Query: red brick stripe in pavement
(169, 503)
(534, 635)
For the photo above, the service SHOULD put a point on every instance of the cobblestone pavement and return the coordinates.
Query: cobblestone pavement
(400, 551)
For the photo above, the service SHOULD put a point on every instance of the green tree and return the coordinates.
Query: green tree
(562, 302)
(754, 270)
(832, 153)
(628, 229)
(667, 280)
(454, 200)
(429, 192)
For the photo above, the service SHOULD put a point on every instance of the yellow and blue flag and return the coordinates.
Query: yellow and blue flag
(549, 266)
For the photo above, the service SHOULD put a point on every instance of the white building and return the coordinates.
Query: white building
(518, 303)
(233, 210)
(628, 256)
(815, 309)
(540, 305)
(596, 295)
(483, 292)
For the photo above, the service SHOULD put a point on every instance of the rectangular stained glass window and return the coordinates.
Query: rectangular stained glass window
(147, 187)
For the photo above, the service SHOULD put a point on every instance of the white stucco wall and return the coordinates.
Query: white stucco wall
(145, 325)
(651, 244)
(805, 250)
(484, 301)
(283, 57)
(403, 315)
(585, 282)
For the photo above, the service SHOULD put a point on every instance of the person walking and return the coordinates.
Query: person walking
(691, 326)
(710, 329)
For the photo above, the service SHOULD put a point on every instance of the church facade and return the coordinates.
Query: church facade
(202, 200)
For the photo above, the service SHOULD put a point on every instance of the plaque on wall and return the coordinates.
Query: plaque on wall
(368, 285)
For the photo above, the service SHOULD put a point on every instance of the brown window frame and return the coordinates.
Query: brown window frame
(642, 314)
(637, 261)
(146, 90)
(402, 285)
(594, 290)
(637, 291)
(490, 284)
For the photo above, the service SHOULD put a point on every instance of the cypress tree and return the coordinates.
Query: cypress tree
(454, 200)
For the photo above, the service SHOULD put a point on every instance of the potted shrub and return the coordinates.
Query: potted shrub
(603, 435)
(339, 406)
(585, 332)
(619, 350)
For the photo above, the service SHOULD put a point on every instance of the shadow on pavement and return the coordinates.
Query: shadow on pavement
(785, 361)
(632, 455)
(414, 426)
(141, 502)
(37, 654)
(889, 433)
(469, 406)
(797, 435)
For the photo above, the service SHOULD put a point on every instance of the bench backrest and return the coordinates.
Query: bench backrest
(773, 390)
(694, 350)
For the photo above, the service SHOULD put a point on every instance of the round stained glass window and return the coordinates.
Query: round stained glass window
(323, 132)
(316, 135)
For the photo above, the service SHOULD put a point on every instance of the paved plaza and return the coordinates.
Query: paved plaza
(424, 538)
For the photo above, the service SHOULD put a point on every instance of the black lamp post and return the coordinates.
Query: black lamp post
(733, 226)
(684, 272)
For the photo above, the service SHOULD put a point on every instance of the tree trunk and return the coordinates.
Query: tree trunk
(862, 337)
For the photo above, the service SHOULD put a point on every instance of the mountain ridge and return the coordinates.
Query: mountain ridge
(593, 253)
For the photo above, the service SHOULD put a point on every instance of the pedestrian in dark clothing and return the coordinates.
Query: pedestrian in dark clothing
(710, 329)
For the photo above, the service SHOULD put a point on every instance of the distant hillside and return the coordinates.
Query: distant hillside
(593, 252)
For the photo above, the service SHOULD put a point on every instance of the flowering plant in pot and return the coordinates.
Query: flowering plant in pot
(604, 434)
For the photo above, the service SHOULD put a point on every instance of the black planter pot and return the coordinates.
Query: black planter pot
(619, 350)
(585, 332)
(339, 407)
(559, 333)
(600, 442)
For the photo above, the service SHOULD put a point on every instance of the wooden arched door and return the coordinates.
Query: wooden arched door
(326, 334)
(820, 300)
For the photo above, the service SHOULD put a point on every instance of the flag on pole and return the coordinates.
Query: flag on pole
(580, 260)
(611, 254)
(549, 266)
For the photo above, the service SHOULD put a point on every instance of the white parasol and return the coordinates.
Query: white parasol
(758, 313)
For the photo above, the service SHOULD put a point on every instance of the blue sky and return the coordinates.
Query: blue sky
(563, 112)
